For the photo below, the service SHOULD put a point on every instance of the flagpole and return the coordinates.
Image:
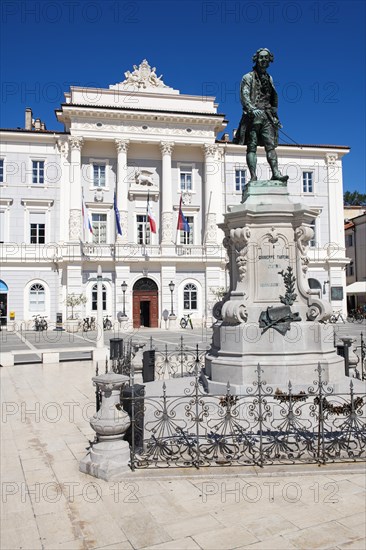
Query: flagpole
(177, 230)
(147, 218)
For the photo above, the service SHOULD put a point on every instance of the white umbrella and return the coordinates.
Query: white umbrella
(359, 287)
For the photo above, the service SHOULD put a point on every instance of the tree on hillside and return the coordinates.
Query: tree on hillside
(354, 198)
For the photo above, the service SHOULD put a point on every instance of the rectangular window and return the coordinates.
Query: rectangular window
(37, 227)
(99, 225)
(349, 240)
(240, 179)
(37, 171)
(186, 237)
(143, 230)
(186, 179)
(99, 175)
(350, 269)
(37, 301)
(307, 182)
(1, 170)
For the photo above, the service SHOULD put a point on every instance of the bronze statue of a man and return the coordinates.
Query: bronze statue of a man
(259, 124)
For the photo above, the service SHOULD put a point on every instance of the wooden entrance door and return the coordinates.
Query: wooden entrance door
(145, 304)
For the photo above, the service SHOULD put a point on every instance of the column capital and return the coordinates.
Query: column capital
(76, 142)
(166, 147)
(63, 147)
(122, 145)
(210, 149)
(331, 158)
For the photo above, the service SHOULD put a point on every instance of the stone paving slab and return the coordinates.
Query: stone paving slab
(47, 503)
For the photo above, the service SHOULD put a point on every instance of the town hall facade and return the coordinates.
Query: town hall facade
(142, 141)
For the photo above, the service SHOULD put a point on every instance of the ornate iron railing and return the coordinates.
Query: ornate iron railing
(261, 427)
(179, 362)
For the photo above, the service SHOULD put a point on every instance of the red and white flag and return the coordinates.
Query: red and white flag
(150, 216)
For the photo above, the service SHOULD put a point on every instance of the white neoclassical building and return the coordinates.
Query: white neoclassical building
(141, 139)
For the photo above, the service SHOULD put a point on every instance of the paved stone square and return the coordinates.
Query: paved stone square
(48, 504)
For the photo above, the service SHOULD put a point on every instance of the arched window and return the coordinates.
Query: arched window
(95, 297)
(37, 298)
(190, 296)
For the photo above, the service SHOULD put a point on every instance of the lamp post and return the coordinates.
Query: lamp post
(124, 288)
(171, 288)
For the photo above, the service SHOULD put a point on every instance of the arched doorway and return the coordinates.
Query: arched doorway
(145, 303)
(3, 302)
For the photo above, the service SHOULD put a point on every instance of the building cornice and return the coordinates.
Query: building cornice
(18, 134)
(300, 150)
(103, 110)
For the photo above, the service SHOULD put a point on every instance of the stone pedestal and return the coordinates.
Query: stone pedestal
(270, 316)
(108, 459)
(173, 323)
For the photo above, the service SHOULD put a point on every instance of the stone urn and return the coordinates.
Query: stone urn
(108, 459)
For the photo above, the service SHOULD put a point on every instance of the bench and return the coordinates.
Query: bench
(50, 355)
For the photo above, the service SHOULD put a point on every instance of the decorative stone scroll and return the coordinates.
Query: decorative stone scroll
(303, 236)
(234, 312)
(240, 239)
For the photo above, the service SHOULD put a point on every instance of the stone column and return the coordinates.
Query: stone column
(75, 226)
(166, 193)
(122, 187)
(212, 193)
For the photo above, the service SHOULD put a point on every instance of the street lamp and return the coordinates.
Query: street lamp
(124, 288)
(171, 288)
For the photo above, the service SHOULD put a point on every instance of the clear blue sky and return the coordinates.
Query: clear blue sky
(199, 47)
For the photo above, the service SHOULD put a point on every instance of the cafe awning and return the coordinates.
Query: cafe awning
(359, 287)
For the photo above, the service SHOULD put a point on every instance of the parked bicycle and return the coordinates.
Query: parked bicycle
(355, 316)
(107, 323)
(89, 324)
(185, 320)
(336, 316)
(40, 323)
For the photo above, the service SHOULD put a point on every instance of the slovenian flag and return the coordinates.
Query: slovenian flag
(116, 212)
(86, 216)
(150, 216)
(183, 225)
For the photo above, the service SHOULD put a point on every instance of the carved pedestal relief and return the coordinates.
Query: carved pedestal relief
(75, 225)
(211, 229)
(123, 220)
(167, 227)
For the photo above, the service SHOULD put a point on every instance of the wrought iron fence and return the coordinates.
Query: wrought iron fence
(262, 427)
(169, 362)
(179, 362)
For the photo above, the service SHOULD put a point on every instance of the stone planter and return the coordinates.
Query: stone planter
(72, 325)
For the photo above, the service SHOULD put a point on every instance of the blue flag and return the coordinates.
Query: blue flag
(116, 211)
(183, 224)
